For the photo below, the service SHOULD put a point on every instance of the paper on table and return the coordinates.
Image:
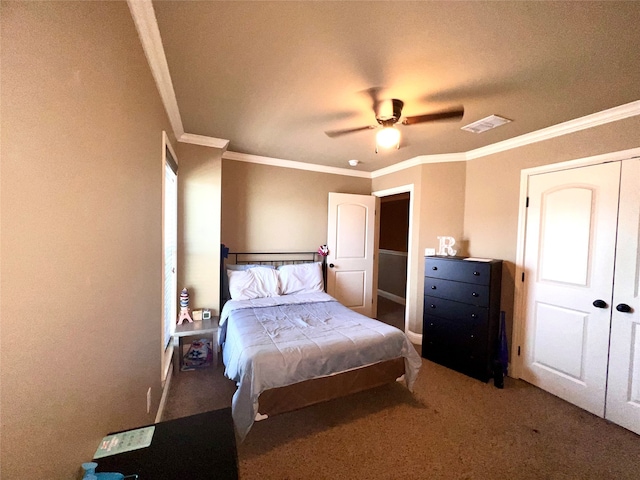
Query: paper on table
(474, 259)
(125, 442)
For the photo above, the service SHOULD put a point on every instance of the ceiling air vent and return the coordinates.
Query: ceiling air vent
(484, 124)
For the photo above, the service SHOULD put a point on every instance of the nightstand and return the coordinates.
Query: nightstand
(202, 329)
(198, 447)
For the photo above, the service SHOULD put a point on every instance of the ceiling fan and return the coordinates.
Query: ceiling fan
(388, 113)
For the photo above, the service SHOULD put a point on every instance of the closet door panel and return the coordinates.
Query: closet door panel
(569, 263)
(623, 388)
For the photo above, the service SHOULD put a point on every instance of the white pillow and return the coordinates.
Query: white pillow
(256, 282)
(301, 278)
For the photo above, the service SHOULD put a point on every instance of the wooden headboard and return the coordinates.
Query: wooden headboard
(275, 259)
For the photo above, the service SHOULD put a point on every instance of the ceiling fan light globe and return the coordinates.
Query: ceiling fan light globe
(388, 137)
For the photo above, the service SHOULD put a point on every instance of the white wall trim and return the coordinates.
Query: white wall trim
(419, 160)
(589, 121)
(205, 141)
(519, 304)
(415, 338)
(147, 26)
(146, 23)
(392, 252)
(600, 118)
(392, 297)
(165, 395)
(277, 162)
(394, 191)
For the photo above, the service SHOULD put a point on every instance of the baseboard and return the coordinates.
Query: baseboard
(415, 338)
(165, 395)
(392, 297)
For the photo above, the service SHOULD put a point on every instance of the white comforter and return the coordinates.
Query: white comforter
(277, 341)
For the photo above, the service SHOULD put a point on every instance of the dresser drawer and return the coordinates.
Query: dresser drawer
(447, 344)
(444, 341)
(459, 270)
(457, 291)
(451, 310)
(455, 331)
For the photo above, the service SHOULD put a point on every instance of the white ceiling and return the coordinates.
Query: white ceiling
(271, 77)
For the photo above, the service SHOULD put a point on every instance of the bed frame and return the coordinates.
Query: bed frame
(309, 392)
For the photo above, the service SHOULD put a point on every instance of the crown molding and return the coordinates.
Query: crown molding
(589, 121)
(144, 18)
(149, 33)
(204, 141)
(419, 160)
(277, 162)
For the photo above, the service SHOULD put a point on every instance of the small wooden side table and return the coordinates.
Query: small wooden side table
(189, 329)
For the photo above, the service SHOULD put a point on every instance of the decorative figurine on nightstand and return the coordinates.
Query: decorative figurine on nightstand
(184, 307)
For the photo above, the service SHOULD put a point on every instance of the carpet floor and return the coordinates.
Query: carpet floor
(450, 427)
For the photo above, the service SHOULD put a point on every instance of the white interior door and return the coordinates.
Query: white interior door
(623, 388)
(569, 261)
(351, 233)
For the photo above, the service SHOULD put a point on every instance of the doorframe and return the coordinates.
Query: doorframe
(519, 303)
(415, 338)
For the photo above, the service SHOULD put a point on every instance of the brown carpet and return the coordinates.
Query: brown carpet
(451, 427)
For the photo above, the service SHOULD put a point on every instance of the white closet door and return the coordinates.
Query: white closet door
(623, 389)
(569, 260)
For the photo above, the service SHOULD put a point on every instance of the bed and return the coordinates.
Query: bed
(287, 344)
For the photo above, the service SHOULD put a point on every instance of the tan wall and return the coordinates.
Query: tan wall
(439, 191)
(81, 248)
(199, 192)
(493, 186)
(271, 209)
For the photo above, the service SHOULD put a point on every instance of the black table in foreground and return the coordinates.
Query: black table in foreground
(197, 447)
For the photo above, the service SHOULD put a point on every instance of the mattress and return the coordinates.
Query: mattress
(273, 342)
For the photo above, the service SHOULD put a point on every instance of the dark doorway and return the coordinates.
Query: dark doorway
(392, 259)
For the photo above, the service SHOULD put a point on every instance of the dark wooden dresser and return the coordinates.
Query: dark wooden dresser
(461, 313)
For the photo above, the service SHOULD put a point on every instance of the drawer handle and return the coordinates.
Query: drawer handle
(432, 306)
(433, 287)
(434, 268)
(474, 294)
(473, 315)
(476, 273)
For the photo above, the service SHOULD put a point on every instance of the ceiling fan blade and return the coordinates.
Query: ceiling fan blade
(456, 113)
(337, 133)
(374, 95)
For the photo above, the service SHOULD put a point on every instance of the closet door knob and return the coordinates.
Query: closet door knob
(600, 304)
(623, 307)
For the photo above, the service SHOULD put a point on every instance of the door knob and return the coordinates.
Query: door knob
(623, 307)
(600, 304)
(331, 265)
